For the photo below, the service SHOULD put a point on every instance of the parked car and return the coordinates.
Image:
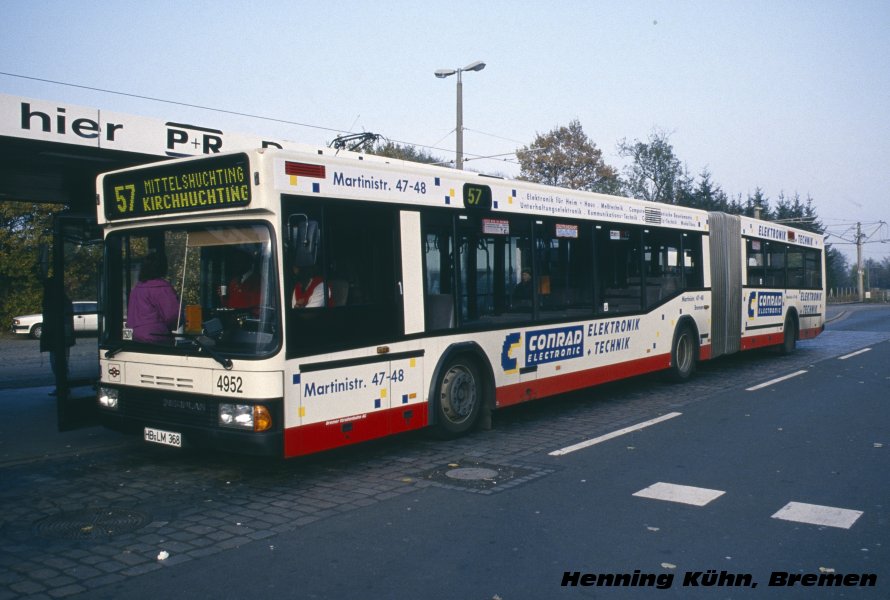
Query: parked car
(86, 320)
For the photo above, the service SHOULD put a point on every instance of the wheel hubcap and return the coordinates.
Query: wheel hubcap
(458, 394)
(684, 353)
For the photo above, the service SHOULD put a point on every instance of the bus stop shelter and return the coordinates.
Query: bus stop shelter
(51, 152)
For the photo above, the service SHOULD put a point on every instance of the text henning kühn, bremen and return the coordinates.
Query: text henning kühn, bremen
(711, 578)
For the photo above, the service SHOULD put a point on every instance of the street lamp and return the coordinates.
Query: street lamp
(442, 74)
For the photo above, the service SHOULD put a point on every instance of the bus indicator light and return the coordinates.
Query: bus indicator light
(304, 169)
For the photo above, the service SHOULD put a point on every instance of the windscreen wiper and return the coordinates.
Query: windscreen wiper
(207, 345)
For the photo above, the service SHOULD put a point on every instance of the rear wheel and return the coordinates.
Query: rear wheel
(684, 354)
(458, 398)
(789, 344)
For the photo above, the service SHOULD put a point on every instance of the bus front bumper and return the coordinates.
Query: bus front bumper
(190, 421)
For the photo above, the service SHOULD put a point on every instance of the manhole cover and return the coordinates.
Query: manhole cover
(91, 523)
(479, 477)
(471, 473)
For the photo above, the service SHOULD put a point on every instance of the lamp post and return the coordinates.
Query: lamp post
(442, 74)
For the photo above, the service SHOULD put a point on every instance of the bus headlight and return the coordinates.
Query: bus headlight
(245, 416)
(107, 397)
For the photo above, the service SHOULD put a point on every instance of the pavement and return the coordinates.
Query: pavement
(29, 430)
(88, 514)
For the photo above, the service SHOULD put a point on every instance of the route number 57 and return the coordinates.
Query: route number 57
(477, 197)
(125, 195)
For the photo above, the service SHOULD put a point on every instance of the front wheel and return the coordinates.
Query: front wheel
(37, 331)
(684, 354)
(458, 398)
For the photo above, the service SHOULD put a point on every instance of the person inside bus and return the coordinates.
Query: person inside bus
(523, 293)
(153, 308)
(244, 287)
(309, 289)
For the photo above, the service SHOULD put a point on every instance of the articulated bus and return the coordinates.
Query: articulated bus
(388, 296)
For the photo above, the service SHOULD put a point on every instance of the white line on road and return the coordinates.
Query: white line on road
(773, 381)
(614, 434)
(815, 514)
(852, 354)
(685, 494)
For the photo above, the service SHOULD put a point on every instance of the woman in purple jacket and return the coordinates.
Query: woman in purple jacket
(153, 309)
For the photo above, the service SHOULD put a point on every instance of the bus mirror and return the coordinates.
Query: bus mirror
(303, 237)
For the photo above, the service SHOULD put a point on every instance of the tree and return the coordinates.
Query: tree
(566, 157)
(837, 269)
(403, 152)
(757, 206)
(877, 273)
(707, 195)
(798, 214)
(655, 173)
(24, 227)
(736, 206)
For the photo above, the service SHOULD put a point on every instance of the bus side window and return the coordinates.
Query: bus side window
(619, 268)
(662, 265)
(795, 268)
(471, 280)
(439, 252)
(812, 270)
(775, 265)
(755, 262)
(565, 265)
(693, 276)
(354, 261)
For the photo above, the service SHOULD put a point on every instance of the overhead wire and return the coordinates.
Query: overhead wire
(233, 112)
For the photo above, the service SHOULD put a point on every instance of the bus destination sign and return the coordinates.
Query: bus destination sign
(188, 186)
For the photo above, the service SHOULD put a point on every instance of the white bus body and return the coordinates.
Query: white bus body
(425, 319)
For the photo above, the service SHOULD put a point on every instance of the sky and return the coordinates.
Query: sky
(787, 96)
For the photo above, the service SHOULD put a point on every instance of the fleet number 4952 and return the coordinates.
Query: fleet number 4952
(230, 384)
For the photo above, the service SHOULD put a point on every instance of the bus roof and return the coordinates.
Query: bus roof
(255, 179)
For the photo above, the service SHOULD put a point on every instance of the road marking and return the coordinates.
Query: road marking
(774, 381)
(614, 434)
(684, 494)
(852, 354)
(814, 514)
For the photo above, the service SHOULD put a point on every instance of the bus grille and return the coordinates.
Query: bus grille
(163, 381)
(187, 409)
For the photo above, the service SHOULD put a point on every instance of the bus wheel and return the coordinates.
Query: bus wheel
(683, 354)
(459, 398)
(790, 342)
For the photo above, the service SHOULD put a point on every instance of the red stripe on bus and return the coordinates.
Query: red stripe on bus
(351, 430)
(806, 334)
(762, 341)
(539, 388)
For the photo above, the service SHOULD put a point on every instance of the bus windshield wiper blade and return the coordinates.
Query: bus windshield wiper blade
(113, 351)
(206, 345)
